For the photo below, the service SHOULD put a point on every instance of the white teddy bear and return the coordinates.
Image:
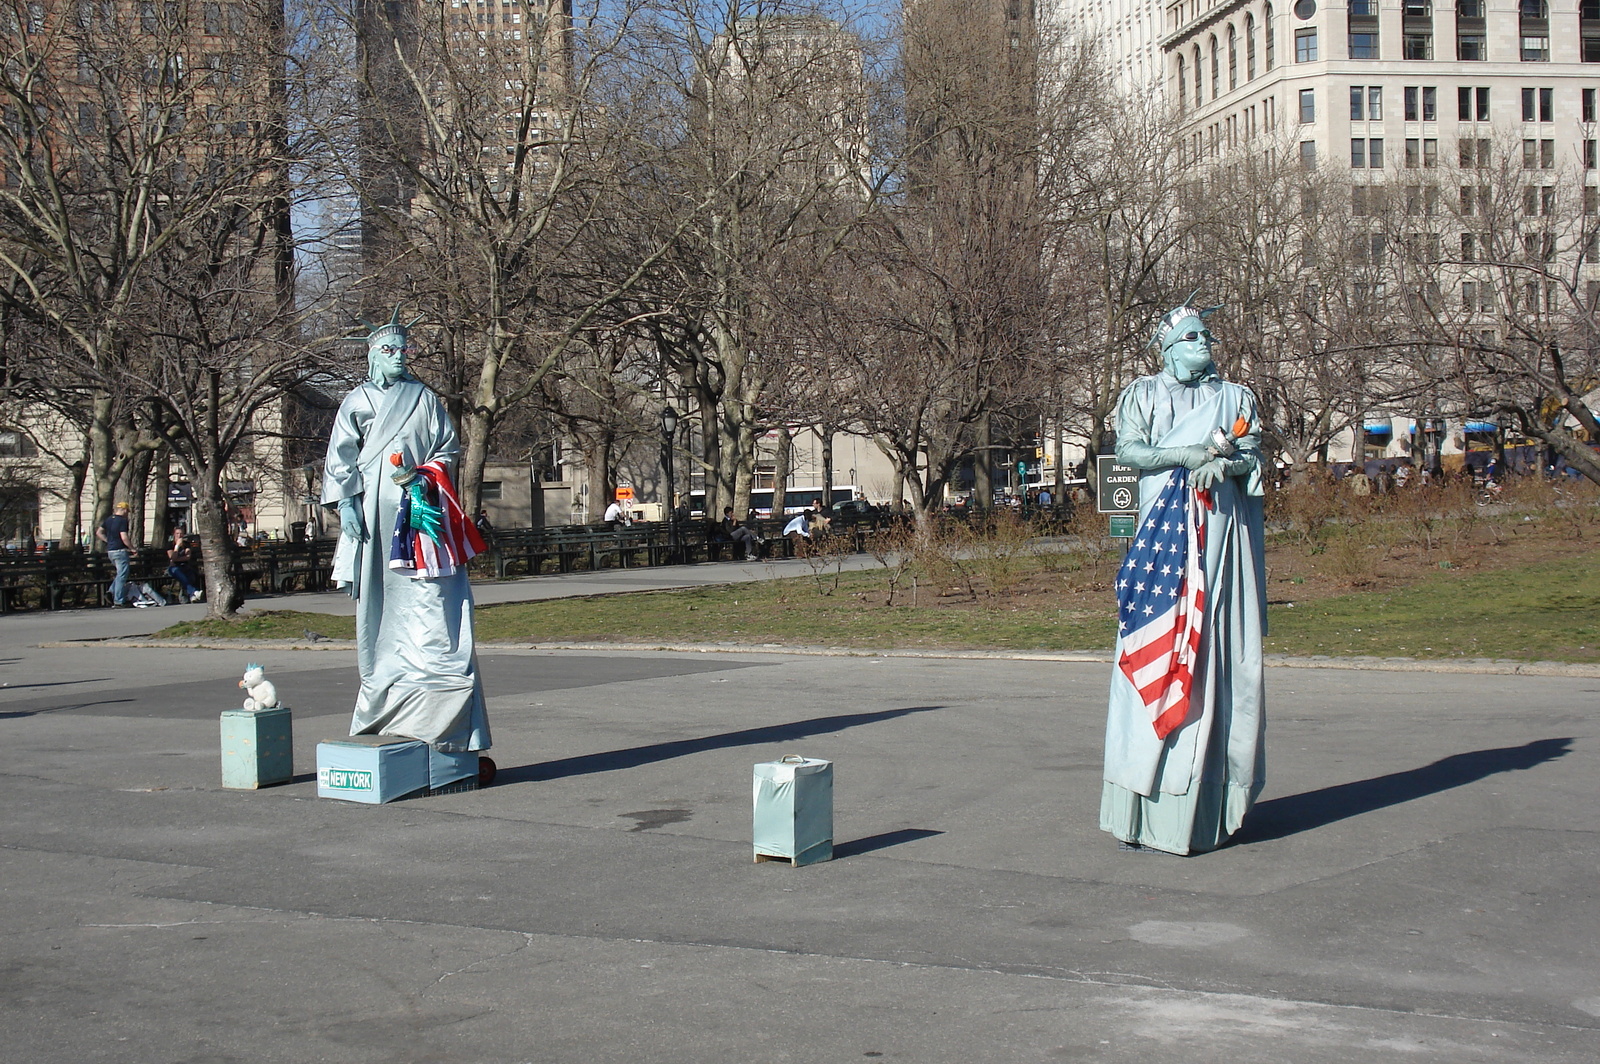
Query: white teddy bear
(259, 692)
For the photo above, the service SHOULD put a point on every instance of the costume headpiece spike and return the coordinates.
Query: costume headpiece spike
(1172, 317)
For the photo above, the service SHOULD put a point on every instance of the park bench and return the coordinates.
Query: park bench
(21, 579)
(284, 568)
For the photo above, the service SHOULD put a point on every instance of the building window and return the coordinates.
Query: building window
(1589, 31)
(1423, 152)
(1305, 46)
(1233, 59)
(1475, 154)
(1250, 47)
(1472, 42)
(1366, 153)
(1216, 67)
(1369, 249)
(1308, 105)
(1535, 30)
(1199, 79)
(1358, 103)
(1308, 155)
(1588, 105)
(1589, 156)
(489, 490)
(1183, 85)
(1363, 45)
(1422, 103)
(1362, 8)
(1416, 45)
(1424, 200)
(1267, 30)
(1538, 105)
(1472, 104)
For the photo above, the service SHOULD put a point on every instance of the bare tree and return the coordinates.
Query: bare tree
(1505, 322)
(760, 177)
(502, 148)
(146, 217)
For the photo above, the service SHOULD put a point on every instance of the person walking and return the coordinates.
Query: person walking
(113, 532)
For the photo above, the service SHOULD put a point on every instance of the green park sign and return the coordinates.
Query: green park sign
(1116, 486)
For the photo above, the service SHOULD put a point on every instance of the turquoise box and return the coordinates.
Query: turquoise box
(257, 748)
(371, 768)
(446, 768)
(794, 811)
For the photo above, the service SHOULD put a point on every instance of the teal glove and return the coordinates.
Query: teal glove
(426, 517)
(1191, 457)
(1210, 474)
(351, 522)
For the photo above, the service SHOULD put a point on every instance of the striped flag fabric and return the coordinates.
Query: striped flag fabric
(432, 536)
(1161, 601)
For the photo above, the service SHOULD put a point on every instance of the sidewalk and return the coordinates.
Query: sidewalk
(1417, 883)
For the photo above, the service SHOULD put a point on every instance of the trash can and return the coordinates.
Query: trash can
(793, 818)
(297, 532)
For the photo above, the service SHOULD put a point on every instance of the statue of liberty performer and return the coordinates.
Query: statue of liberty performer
(402, 554)
(1185, 749)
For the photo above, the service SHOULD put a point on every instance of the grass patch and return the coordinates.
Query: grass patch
(1529, 595)
(1544, 612)
(267, 624)
(790, 612)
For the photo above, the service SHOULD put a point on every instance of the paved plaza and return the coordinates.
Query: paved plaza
(1418, 883)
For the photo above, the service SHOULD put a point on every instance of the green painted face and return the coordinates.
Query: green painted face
(387, 349)
(1186, 348)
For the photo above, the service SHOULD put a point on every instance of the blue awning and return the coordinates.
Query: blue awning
(1481, 426)
(1379, 429)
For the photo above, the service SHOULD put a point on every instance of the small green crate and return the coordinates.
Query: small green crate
(793, 818)
(257, 748)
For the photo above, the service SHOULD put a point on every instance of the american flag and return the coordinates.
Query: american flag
(1161, 601)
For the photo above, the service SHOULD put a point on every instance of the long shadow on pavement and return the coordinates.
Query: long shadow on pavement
(633, 757)
(1294, 813)
(883, 841)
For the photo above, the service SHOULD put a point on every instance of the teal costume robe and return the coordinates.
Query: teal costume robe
(414, 638)
(1190, 792)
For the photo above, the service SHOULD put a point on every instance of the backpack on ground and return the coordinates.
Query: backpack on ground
(149, 596)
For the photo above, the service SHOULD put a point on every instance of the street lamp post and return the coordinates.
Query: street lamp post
(669, 435)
